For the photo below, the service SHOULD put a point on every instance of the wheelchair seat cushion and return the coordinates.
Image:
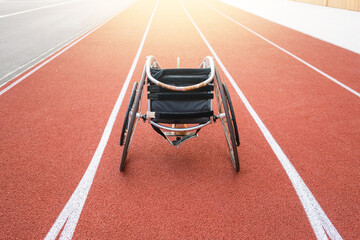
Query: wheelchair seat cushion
(176, 106)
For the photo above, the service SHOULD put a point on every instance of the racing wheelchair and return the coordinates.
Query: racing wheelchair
(180, 104)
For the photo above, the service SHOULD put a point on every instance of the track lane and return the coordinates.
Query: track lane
(52, 122)
(193, 191)
(164, 194)
(67, 220)
(339, 63)
(315, 123)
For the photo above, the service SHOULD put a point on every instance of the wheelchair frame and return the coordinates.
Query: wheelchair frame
(225, 114)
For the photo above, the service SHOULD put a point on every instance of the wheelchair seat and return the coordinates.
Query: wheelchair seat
(176, 107)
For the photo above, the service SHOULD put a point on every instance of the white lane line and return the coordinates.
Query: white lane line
(41, 57)
(287, 52)
(35, 9)
(69, 216)
(317, 217)
(12, 1)
(56, 55)
(23, 68)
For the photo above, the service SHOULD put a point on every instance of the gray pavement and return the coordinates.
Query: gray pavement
(337, 26)
(32, 30)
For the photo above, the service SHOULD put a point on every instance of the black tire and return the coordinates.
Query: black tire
(131, 124)
(226, 122)
(232, 112)
(126, 119)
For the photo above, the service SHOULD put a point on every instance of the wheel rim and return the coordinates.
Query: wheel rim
(131, 125)
(230, 139)
(126, 119)
(233, 117)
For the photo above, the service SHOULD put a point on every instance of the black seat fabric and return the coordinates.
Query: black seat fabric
(177, 106)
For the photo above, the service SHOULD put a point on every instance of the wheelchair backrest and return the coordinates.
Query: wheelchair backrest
(192, 106)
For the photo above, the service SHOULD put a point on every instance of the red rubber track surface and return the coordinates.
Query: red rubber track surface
(52, 122)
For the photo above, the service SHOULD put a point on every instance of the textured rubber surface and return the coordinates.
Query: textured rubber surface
(51, 124)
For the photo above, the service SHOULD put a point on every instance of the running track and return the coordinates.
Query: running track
(53, 126)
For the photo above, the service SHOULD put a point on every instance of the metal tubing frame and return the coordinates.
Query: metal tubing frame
(207, 62)
(179, 129)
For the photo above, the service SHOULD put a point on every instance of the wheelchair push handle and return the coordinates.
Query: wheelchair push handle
(208, 62)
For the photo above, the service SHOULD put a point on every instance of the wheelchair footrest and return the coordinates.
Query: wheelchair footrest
(183, 139)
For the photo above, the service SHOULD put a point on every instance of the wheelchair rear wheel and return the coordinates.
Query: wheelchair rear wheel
(126, 119)
(233, 117)
(226, 121)
(130, 122)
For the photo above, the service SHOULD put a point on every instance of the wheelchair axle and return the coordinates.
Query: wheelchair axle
(221, 115)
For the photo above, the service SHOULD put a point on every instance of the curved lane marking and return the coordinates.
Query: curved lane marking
(35, 9)
(320, 223)
(287, 52)
(90, 30)
(69, 216)
(36, 60)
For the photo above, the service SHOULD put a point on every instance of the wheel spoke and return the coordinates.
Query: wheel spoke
(227, 123)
